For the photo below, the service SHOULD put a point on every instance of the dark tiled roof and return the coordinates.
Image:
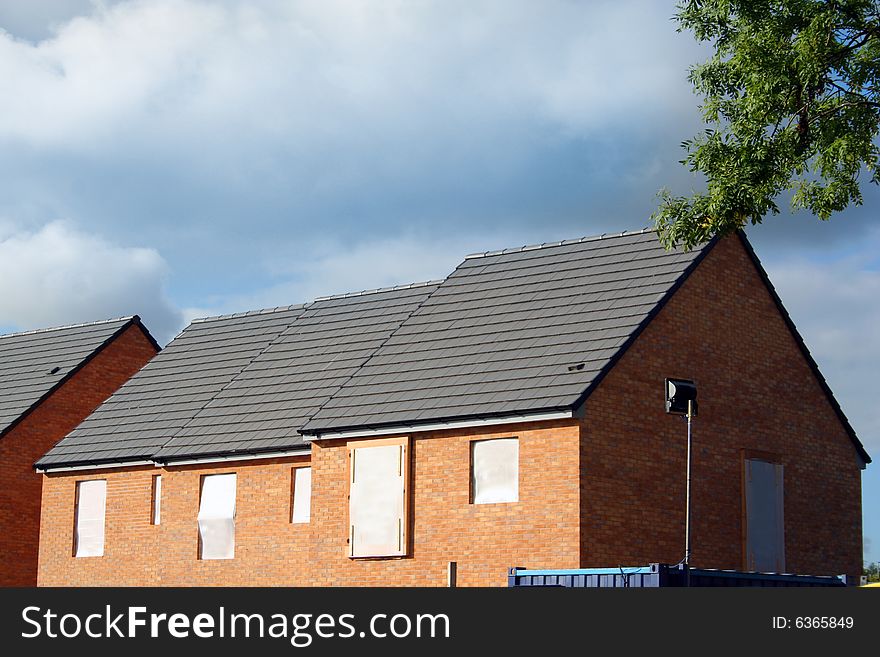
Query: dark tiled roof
(34, 363)
(511, 332)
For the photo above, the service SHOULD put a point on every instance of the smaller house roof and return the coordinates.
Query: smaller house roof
(35, 363)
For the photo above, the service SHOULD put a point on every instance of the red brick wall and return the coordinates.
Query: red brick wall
(756, 392)
(541, 530)
(55, 417)
(269, 550)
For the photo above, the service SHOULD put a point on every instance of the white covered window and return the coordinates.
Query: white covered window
(765, 534)
(217, 517)
(495, 470)
(301, 498)
(156, 510)
(377, 500)
(91, 503)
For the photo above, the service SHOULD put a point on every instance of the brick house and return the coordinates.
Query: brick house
(50, 380)
(509, 415)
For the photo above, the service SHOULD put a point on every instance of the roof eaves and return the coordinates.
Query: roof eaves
(232, 455)
(95, 464)
(435, 423)
(176, 460)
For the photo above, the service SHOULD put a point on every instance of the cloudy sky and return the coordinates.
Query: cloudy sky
(179, 158)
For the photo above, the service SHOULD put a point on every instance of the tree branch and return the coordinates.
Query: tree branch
(837, 108)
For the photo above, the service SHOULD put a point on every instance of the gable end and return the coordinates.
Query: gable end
(860, 449)
(134, 320)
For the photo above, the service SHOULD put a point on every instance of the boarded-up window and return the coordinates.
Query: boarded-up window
(377, 500)
(765, 538)
(91, 503)
(495, 470)
(156, 508)
(217, 517)
(301, 498)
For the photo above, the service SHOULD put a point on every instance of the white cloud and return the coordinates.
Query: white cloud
(58, 275)
(835, 304)
(316, 73)
(229, 126)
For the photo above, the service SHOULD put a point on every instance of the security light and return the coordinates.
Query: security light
(681, 399)
(678, 393)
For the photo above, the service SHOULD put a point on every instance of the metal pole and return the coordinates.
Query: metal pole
(452, 575)
(687, 519)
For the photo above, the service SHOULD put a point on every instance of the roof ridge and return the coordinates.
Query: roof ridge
(377, 290)
(245, 313)
(70, 326)
(545, 245)
(344, 295)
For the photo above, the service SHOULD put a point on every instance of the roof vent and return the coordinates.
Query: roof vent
(55, 370)
(572, 368)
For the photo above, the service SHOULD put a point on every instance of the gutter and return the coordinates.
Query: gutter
(232, 458)
(437, 426)
(92, 466)
(170, 464)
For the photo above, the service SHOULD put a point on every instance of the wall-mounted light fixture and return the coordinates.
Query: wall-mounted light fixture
(679, 393)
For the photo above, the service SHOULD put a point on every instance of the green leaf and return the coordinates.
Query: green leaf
(790, 101)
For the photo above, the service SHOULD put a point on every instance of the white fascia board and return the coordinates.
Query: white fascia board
(171, 464)
(94, 466)
(234, 457)
(439, 426)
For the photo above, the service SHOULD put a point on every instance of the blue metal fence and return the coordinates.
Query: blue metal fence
(658, 575)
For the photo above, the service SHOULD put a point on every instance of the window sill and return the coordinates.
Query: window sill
(379, 557)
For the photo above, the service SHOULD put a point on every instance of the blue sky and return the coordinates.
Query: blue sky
(179, 158)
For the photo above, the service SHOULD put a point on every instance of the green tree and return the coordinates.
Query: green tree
(791, 99)
(872, 572)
